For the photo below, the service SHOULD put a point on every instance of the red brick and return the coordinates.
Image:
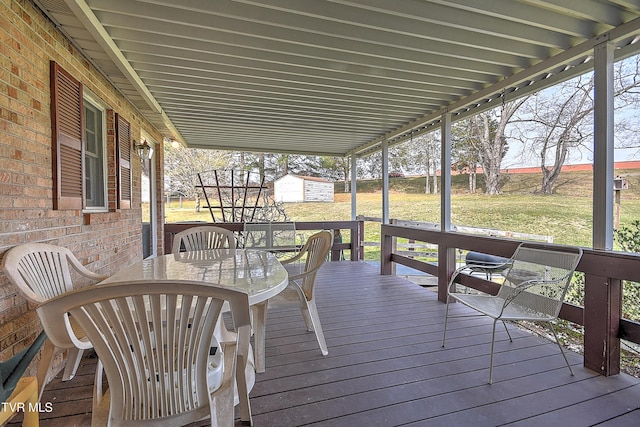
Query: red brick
(107, 241)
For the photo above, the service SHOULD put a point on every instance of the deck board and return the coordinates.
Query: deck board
(386, 367)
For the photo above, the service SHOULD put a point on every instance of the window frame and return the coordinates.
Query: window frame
(98, 104)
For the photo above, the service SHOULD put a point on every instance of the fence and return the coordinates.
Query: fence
(415, 248)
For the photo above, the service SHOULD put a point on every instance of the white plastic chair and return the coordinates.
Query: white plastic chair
(301, 287)
(536, 279)
(156, 343)
(203, 237)
(40, 272)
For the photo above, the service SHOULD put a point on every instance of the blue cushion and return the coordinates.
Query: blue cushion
(12, 370)
(479, 259)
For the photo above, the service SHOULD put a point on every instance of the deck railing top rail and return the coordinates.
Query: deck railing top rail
(353, 242)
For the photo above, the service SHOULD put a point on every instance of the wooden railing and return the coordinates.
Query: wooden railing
(604, 272)
(353, 245)
(413, 248)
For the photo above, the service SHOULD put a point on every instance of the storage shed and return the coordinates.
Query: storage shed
(294, 188)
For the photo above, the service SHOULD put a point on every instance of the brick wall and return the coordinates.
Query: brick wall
(104, 242)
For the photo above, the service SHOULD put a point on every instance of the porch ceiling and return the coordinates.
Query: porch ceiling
(333, 77)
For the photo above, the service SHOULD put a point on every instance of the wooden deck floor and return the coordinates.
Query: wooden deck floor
(386, 367)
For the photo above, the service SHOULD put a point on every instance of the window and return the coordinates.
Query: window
(94, 156)
(79, 123)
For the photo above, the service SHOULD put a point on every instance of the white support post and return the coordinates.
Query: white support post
(603, 155)
(445, 173)
(354, 180)
(446, 255)
(385, 182)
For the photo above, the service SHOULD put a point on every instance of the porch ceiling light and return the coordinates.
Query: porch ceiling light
(143, 149)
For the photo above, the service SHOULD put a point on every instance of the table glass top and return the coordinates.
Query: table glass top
(254, 271)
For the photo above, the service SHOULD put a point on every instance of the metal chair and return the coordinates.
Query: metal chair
(156, 343)
(40, 272)
(536, 279)
(277, 237)
(301, 288)
(203, 237)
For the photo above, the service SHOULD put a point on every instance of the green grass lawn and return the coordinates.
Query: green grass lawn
(566, 216)
(567, 219)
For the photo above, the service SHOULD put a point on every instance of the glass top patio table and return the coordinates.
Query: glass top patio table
(257, 272)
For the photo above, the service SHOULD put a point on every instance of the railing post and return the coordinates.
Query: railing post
(337, 238)
(394, 248)
(386, 246)
(168, 241)
(446, 267)
(602, 312)
(360, 241)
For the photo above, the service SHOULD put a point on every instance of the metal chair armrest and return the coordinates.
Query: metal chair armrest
(455, 274)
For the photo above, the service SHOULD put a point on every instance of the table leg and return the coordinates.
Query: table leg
(259, 326)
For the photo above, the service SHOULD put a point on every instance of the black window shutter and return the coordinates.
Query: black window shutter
(67, 122)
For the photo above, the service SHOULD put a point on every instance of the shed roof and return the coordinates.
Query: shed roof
(306, 178)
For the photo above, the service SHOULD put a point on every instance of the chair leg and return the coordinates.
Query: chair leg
(46, 359)
(308, 322)
(312, 314)
(74, 356)
(446, 317)
(506, 329)
(242, 357)
(493, 343)
(553, 330)
(31, 415)
(101, 399)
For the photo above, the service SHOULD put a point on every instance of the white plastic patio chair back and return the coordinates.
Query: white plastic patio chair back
(301, 287)
(536, 280)
(278, 237)
(40, 272)
(155, 340)
(203, 237)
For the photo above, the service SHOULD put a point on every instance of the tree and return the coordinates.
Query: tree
(306, 165)
(465, 153)
(431, 142)
(558, 121)
(370, 166)
(487, 132)
(336, 168)
(182, 164)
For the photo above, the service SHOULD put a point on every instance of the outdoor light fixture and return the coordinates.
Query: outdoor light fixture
(144, 149)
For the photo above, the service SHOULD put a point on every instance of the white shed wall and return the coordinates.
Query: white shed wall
(315, 191)
(292, 188)
(289, 188)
